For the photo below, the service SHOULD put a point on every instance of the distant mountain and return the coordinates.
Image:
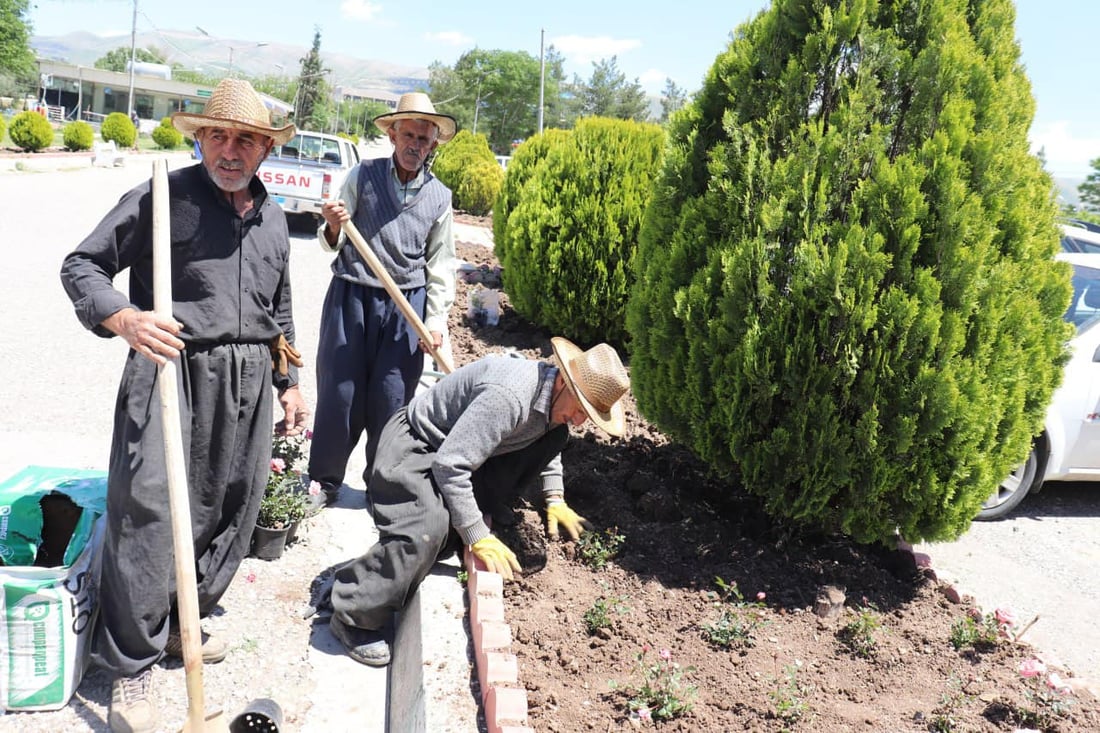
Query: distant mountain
(1067, 187)
(193, 50)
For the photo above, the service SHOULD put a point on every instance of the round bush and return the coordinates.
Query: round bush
(78, 135)
(119, 128)
(166, 136)
(568, 242)
(459, 160)
(479, 188)
(31, 131)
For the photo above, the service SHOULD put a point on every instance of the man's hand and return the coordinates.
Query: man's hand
(559, 513)
(148, 334)
(296, 416)
(437, 342)
(335, 214)
(496, 556)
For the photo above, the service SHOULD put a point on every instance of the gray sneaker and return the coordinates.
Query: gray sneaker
(132, 710)
(363, 645)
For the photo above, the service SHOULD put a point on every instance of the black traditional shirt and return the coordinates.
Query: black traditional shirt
(230, 274)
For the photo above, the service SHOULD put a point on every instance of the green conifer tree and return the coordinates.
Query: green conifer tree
(846, 295)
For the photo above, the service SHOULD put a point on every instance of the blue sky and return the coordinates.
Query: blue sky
(653, 41)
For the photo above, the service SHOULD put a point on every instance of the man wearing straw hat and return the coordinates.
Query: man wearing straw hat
(231, 333)
(368, 358)
(458, 451)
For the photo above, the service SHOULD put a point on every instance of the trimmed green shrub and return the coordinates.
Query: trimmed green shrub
(31, 131)
(3, 127)
(525, 161)
(78, 135)
(846, 294)
(567, 236)
(480, 185)
(459, 160)
(118, 127)
(166, 136)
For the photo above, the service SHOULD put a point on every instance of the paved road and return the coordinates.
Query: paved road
(1042, 561)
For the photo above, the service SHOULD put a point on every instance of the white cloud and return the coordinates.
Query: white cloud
(449, 38)
(1066, 153)
(583, 50)
(653, 80)
(360, 10)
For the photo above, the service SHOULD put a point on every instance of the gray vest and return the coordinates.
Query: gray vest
(396, 232)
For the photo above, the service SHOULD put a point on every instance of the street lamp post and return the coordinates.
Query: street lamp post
(231, 48)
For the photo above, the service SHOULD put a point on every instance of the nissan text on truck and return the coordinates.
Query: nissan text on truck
(308, 171)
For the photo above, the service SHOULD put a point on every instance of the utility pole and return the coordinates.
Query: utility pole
(133, 58)
(542, 74)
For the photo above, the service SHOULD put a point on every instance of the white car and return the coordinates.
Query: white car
(1068, 449)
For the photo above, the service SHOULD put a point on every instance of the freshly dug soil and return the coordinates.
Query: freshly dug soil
(693, 553)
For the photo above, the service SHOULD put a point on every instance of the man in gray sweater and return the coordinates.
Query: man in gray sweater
(465, 446)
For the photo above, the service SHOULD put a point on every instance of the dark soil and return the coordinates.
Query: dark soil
(684, 566)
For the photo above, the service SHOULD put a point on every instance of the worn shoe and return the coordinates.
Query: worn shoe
(364, 646)
(213, 648)
(132, 709)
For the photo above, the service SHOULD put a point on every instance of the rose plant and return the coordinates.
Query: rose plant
(284, 501)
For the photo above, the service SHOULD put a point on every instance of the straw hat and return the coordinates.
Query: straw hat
(417, 106)
(234, 105)
(598, 379)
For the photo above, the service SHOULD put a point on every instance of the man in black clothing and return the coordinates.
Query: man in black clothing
(231, 331)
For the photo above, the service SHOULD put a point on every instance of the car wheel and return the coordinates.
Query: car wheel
(1012, 490)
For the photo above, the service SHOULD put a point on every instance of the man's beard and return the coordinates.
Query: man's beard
(227, 184)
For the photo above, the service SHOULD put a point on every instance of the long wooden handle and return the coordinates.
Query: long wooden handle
(398, 297)
(187, 594)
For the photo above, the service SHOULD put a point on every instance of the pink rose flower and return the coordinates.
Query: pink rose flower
(278, 465)
(761, 596)
(309, 434)
(1032, 668)
(314, 488)
(1057, 684)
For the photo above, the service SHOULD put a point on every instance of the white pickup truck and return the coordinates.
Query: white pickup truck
(308, 171)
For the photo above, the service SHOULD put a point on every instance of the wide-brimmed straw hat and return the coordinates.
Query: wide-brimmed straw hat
(599, 380)
(234, 105)
(417, 106)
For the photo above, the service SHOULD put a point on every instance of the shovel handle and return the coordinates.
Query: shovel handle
(398, 297)
(187, 595)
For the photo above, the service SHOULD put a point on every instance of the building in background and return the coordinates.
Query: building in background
(85, 92)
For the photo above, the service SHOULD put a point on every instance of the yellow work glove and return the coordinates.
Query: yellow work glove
(496, 556)
(559, 513)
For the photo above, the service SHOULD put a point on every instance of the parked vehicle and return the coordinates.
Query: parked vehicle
(1068, 449)
(1080, 236)
(308, 171)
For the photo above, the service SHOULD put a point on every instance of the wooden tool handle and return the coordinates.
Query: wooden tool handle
(398, 297)
(187, 595)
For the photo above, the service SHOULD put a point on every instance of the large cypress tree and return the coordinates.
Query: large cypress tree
(845, 292)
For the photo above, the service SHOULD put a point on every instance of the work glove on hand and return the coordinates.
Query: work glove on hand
(496, 556)
(282, 353)
(559, 513)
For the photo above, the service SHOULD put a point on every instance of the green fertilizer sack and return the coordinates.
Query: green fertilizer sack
(51, 539)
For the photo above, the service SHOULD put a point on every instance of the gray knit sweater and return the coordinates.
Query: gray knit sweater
(487, 408)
